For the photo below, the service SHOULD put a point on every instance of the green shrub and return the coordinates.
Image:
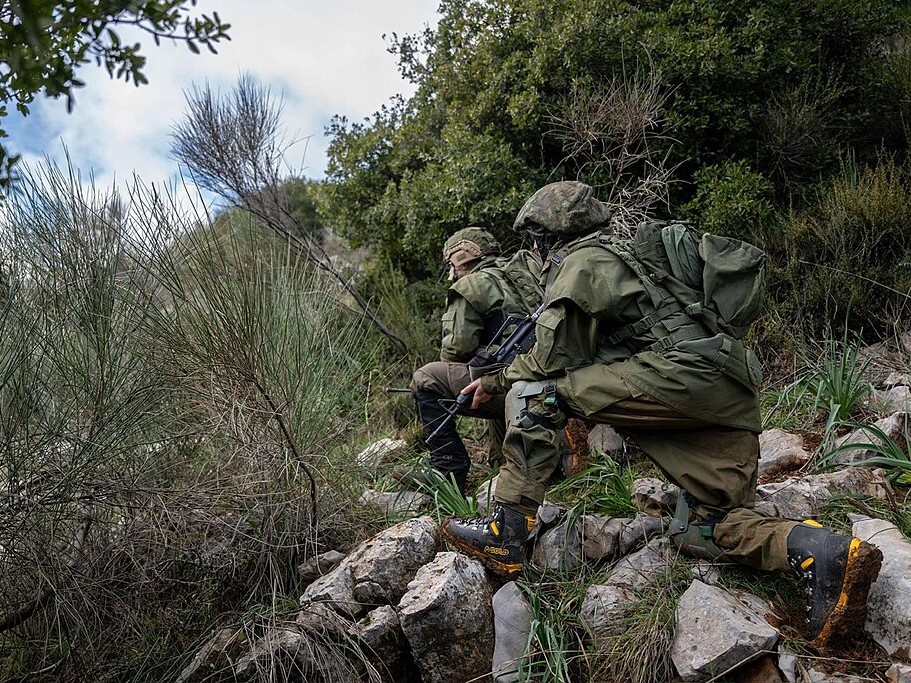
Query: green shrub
(412, 310)
(849, 256)
(171, 406)
(731, 199)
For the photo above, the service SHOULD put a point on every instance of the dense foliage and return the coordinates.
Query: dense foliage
(43, 43)
(762, 104)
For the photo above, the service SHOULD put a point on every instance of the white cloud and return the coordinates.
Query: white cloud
(325, 57)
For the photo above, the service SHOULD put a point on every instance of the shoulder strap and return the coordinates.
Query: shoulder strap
(523, 283)
(665, 303)
(556, 258)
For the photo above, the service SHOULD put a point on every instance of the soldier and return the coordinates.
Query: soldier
(486, 290)
(696, 418)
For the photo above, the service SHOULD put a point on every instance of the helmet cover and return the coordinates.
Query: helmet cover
(469, 244)
(564, 207)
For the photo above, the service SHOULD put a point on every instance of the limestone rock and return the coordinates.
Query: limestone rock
(715, 633)
(548, 515)
(896, 399)
(512, 617)
(899, 673)
(895, 426)
(559, 547)
(316, 567)
(654, 496)
(607, 538)
(788, 663)
(592, 538)
(320, 617)
(896, 379)
(306, 649)
(381, 633)
(379, 570)
(396, 503)
(802, 497)
(631, 576)
(888, 606)
(780, 451)
(378, 452)
(276, 650)
(707, 572)
(447, 617)
(605, 439)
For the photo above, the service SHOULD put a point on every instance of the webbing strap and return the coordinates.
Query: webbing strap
(556, 258)
(645, 324)
(684, 333)
(658, 294)
(665, 303)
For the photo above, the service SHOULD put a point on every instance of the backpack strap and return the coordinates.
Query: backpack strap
(556, 258)
(665, 303)
(643, 325)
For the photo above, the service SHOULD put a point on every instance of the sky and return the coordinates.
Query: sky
(320, 57)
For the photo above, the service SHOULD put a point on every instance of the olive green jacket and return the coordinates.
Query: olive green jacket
(475, 301)
(592, 294)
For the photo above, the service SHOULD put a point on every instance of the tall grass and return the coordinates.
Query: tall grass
(604, 488)
(553, 647)
(831, 385)
(173, 404)
(637, 644)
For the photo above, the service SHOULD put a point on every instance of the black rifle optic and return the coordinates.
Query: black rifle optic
(518, 342)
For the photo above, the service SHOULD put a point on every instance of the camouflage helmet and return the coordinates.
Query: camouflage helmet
(469, 244)
(565, 207)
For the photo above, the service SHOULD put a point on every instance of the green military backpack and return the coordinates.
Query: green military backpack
(523, 271)
(721, 281)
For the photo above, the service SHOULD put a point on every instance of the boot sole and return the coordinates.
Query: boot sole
(847, 617)
(493, 564)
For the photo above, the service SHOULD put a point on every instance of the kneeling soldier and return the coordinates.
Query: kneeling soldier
(663, 384)
(486, 290)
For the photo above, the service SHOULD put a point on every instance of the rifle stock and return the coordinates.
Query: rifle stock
(518, 342)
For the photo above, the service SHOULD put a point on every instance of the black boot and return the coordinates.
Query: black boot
(498, 540)
(837, 571)
(447, 452)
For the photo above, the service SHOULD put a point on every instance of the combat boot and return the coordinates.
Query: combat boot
(425, 478)
(837, 571)
(448, 455)
(498, 540)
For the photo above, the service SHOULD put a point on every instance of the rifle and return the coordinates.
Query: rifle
(520, 341)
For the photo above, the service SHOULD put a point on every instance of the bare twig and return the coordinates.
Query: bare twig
(277, 415)
(233, 148)
(609, 135)
(45, 595)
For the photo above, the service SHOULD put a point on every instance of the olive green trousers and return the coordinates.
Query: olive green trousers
(716, 465)
(447, 380)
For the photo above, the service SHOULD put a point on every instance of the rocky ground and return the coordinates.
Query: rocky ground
(639, 612)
